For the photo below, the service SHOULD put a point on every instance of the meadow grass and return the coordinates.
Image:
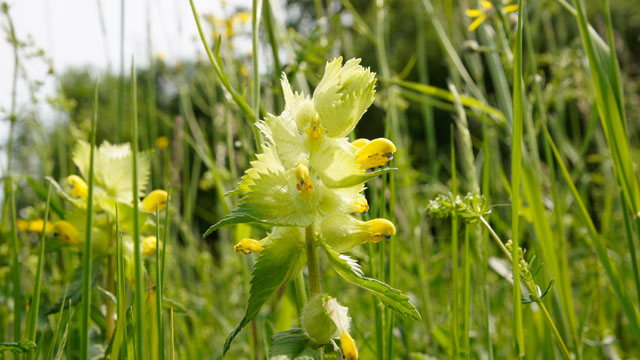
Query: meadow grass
(515, 195)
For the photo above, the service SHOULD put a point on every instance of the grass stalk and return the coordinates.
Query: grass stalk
(35, 299)
(86, 256)
(160, 328)
(516, 166)
(454, 255)
(137, 251)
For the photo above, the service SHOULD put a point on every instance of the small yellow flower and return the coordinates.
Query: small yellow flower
(34, 226)
(155, 197)
(248, 246)
(481, 14)
(149, 245)
(66, 232)
(162, 142)
(361, 204)
(78, 186)
(380, 228)
(304, 181)
(375, 153)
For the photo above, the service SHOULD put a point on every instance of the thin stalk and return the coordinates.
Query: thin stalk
(159, 287)
(466, 295)
(137, 253)
(86, 258)
(516, 167)
(632, 250)
(255, 91)
(454, 254)
(35, 300)
(120, 118)
(301, 293)
(312, 261)
(485, 242)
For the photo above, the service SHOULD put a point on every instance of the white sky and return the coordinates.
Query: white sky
(69, 32)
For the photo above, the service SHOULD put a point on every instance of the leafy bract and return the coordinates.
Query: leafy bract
(292, 344)
(349, 269)
(280, 260)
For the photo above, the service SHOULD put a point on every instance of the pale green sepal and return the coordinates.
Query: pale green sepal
(349, 269)
(280, 261)
(355, 179)
(343, 95)
(342, 232)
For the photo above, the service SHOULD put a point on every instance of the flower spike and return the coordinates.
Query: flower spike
(375, 153)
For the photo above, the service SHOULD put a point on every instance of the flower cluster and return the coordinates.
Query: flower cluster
(308, 183)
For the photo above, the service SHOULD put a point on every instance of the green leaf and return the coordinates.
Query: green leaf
(293, 344)
(280, 260)
(236, 217)
(73, 294)
(41, 191)
(22, 346)
(349, 269)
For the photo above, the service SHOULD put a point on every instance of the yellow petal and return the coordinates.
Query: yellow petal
(510, 8)
(22, 224)
(486, 4)
(304, 181)
(361, 204)
(474, 25)
(375, 153)
(155, 197)
(78, 186)
(359, 143)
(349, 349)
(247, 246)
(474, 13)
(149, 245)
(380, 228)
(315, 129)
(66, 232)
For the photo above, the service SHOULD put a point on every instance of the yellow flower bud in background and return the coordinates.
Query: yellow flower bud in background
(375, 153)
(34, 226)
(149, 245)
(162, 142)
(248, 246)
(155, 197)
(78, 186)
(361, 204)
(66, 232)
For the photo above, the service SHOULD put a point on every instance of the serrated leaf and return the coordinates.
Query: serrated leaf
(349, 269)
(292, 344)
(280, 260)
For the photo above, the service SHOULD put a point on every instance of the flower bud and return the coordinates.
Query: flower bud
(343, 95)
(66, 232)
(155, 197)
(149, 245)
(316, 320)
(78, 186)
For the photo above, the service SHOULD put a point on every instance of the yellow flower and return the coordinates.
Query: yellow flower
(34, 226)
(481, 14)
(375, 153)
(78, 186)
(149, 245)
(248, 246)
(155, 197)
(66, 232)
(162, 142)
(349, 349)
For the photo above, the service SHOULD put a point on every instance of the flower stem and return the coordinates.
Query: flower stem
(312, 261)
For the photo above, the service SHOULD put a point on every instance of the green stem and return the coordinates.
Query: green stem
(159, 287)
(312, 261)
(137, 253)
(301, 293)
(86, 257)
(565, 351)
(35, 301)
